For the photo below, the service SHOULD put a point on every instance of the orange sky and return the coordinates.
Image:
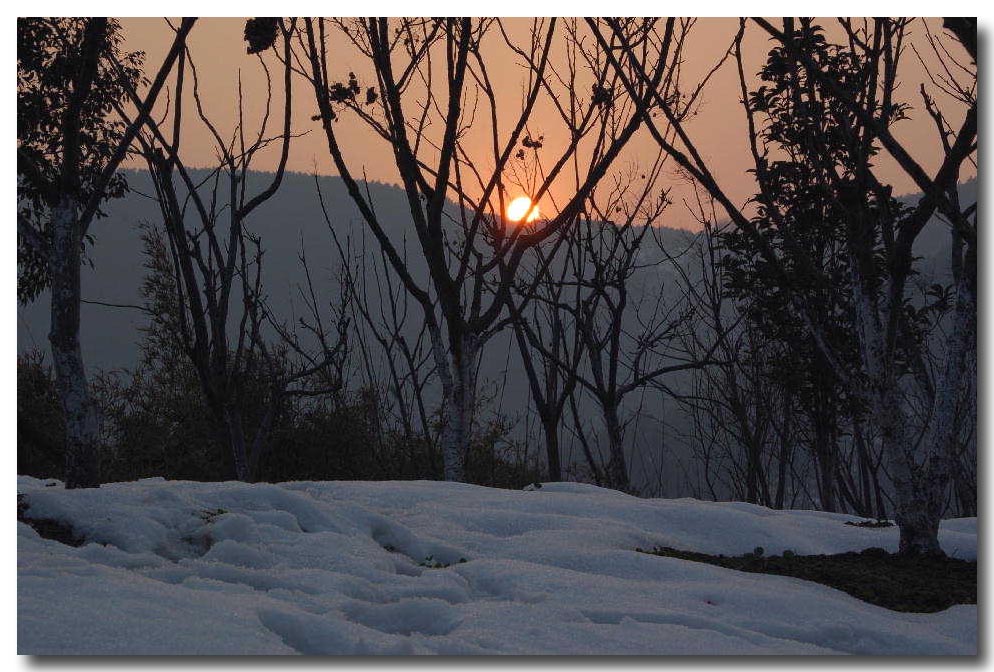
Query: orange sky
(719, 129)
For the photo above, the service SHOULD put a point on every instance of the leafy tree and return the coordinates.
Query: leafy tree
(48, 80)
(855, 86)
(71, 83)
(805, 135)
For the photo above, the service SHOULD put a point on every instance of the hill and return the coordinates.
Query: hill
(292, 220)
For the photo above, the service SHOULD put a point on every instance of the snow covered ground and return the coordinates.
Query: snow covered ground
(338, 568)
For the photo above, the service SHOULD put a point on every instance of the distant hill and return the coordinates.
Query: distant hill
(292, 219)
(933, 243)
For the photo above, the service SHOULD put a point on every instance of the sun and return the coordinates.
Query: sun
(517, 208)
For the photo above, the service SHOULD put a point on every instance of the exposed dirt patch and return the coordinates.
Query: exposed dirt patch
(870, 523)
(915, 584)
(431, 563)
(47, 528)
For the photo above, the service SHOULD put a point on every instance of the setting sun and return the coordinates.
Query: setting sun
(517, 208)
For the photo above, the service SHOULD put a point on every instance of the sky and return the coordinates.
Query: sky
(719, 128)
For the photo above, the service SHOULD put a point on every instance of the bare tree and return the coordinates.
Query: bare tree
(550, 381)
(431, 86)
(628, 340)
(378, 302)
(629, 334)
(731, 403)
(220, 307)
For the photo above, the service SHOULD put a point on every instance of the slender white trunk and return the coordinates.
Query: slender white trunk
(942, 440)
(918, 524)
(458, 405)
(550, 427)
(236, 441)
(82, 423)
(920, 490)
(617, 467)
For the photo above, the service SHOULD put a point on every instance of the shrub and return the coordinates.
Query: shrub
(155, 422)
(40, 428)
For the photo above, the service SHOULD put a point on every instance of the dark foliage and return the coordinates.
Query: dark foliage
(810, 176)
(157, 424)
(47, 59)
(45, 527)
(810, 169)
(869, 523)
(965, 30)
(260, 33)
(40, 427)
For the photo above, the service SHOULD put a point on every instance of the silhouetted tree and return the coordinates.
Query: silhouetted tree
(70, 78)
(217, 309)
(432, 83)
(857, 88)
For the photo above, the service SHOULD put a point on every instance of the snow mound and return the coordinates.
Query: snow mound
(399, 568)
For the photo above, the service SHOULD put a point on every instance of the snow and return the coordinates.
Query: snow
(339, 568)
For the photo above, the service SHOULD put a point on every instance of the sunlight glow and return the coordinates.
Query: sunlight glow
(517, 208)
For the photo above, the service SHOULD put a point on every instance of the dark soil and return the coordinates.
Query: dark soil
(431, 563)
(916, 584)
(46, 528)
(870, 523)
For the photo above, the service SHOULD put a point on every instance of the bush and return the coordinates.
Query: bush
(40, 428)
(156, 422)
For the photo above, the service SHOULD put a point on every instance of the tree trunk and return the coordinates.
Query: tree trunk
(617, 468)
(458, 402)
(82, 423)
(236, 440)
(826, 454)
(919, 532)
(753, 470)
(784, 457)
(918, 522)
(944, 460)
(921, 490)
(865, 468)
(550, 426)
